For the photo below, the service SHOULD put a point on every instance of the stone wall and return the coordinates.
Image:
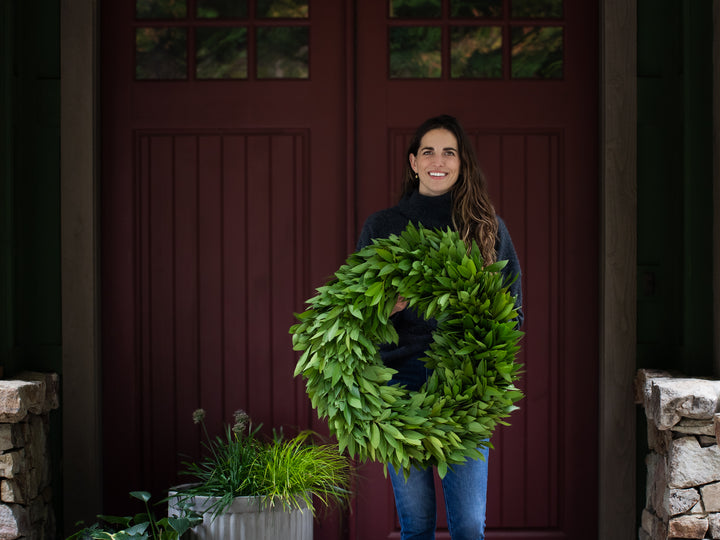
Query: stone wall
(683, 466)
(25, 495)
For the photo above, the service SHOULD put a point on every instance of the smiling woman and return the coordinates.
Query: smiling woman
(436, 164)
(443, 188)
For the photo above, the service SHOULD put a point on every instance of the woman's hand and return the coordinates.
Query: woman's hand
(399, 305)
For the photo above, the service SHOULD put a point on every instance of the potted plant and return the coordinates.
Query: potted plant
(246, 487)
(141, 526)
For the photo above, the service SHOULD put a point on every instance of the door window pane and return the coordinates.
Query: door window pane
(469, 9)
(531, 9)
(415, 9)
(282, 9)
(160, 9)
(221, 9)
(221, 53)
(282, 52)
(415, 52)
(537, 52)
(476, 52)
(160, 53)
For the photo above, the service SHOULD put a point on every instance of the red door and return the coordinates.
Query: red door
(232, 133)
(521, 77)
(223, 205)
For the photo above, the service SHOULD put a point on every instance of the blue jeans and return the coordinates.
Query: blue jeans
(465, 490)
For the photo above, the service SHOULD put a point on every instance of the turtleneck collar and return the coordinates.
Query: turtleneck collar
(432, 212)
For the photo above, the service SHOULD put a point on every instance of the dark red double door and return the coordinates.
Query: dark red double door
(226, 201)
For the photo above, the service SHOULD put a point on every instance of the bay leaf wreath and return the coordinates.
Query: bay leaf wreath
(472, 355)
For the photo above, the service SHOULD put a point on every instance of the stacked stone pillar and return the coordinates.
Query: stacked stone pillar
(25, 494)
(683, 466)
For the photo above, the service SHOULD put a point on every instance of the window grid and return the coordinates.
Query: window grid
(187, 22)
(549, 64)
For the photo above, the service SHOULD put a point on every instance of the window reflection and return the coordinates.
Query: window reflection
(472, 9)
(415, 52)
(282, 52)
(221, 9)
(537, 52)
(476, 52)
(160, 9)
(282, 9)
(530, 9)
(221, 53)
(415, 9)
(160, 53)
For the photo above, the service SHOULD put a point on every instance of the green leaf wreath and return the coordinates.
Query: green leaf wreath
(472, 354)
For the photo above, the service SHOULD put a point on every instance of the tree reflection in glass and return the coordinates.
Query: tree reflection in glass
(282, 9)
(415, 9)
(221, 53)
(160, 9)
(282, 52)
(535, 9)
(160, 53)
(537, 52)
(474, 9)
(221, 9)
(415, 52)
(476, 52)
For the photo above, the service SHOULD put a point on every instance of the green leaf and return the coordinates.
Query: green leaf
(142, 495)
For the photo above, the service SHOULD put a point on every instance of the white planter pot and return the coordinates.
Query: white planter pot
(246, 519)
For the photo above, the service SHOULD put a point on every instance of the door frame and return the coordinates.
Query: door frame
(80, 182)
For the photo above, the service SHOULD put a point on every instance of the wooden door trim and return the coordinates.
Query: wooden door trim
(81, 363)
(618, 241)
(716, 184)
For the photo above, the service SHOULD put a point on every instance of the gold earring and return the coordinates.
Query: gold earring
(416, 176)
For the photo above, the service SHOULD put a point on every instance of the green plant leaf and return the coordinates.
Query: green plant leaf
(142, 495)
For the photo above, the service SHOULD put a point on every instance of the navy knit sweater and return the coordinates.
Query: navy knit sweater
(433, 213)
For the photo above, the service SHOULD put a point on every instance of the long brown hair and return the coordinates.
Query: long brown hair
(473, 214)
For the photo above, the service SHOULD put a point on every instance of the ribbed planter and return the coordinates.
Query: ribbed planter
(247, 519)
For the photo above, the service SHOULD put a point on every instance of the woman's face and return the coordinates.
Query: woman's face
(437, 162)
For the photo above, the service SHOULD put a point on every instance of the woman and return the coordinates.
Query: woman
(443, 187)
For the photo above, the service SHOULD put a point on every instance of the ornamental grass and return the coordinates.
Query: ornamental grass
(290, 472)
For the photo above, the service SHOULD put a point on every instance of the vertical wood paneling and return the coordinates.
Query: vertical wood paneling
(187, 346)
(512, 442)
(141, 379)
(300, 246)
(219, 216)
(159, 393)
(282, 297)
(259, 260)
(538, 385)
(235, 260)
(210, 279)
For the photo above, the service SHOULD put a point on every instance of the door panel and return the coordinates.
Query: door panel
(536, 141)
(211, 239)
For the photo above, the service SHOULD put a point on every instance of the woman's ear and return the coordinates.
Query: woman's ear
(413, 162)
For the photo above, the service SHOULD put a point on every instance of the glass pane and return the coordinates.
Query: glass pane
(282, 52)
(160, 9)
(221, 9)
(415, 52)
(221, 53)
(415, 9)
(282, 9)
(530, 9)
(537, 52)
(469, 9)
(160, 53)
(476, 52)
